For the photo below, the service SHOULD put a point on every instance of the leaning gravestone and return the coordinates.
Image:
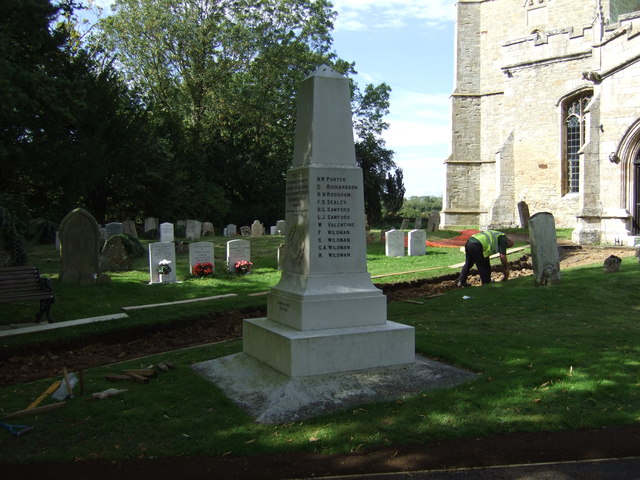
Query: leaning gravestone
(544, 249)
(79, 248)
(237, 250)
(160, 252)
(200, 252)
(166, 232)
(417, 243)
(325, 315)
(523, 212)
(394, 246)
(129, 227)
(113, 228)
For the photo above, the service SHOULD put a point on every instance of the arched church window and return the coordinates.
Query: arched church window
(575, 137)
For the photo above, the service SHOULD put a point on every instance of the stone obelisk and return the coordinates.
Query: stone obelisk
(325, 315)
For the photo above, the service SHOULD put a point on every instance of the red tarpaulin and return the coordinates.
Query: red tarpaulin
(458, 241)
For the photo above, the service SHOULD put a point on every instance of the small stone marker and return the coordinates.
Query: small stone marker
(129, 227)
(113, 228)
(159, 251)
(417, 243)
(200, 252)
(237, 250)
(257, 229)
(544, 249)
(166, 232)
(245, 231)
(280, 226)
(394, 246)
(79, 248)
(612, 264)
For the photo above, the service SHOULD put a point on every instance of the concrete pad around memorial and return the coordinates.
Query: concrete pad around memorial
(272, 398)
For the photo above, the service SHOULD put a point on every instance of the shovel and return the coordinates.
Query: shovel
(16, 430)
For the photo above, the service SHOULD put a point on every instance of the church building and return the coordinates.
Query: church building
(546, 115)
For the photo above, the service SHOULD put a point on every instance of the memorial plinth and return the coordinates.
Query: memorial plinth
(325, 315)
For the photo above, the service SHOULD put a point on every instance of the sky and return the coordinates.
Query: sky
(407, 44)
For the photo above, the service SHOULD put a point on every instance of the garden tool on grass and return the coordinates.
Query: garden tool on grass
(16, 430)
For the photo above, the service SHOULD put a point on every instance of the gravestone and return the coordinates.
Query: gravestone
(79, 248)
(237, 250)
(418, 224)
(129, 227)
(207, 229)
(159, 251)
(200, 252)
(256, 229)
(523, 212)
(280, 227)
(272, 230)
(150, 223)
(245, 231)
(325, 315)
(166, 232)
(232, 230)
(405, 224)
(115, 257)
(113, 228)
(612, 264)
(417, 243)
(433, 224)
(544, 249)
(193, 230)
(394, 243)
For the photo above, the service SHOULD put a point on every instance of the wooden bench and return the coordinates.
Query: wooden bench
(19, 284)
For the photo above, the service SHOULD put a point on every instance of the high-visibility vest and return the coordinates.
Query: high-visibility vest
(489, 241)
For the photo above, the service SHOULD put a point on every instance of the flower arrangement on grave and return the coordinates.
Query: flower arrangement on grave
(203, 269)
(164, 267)
(243, 267)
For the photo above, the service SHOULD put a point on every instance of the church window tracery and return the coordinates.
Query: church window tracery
(575, 137)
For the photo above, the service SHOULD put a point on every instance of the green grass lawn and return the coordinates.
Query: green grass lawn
(549, 358)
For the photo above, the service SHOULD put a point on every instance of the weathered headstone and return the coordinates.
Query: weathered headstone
(280, 227)
(193, 230)
(433, 224)
(207, 229)
(405, 224)
(166, 232)
(612, 264)
(325, 315)
(544, 249)
(115, 257)
(79, 248)
(113, 228)
(394, 243)
(232, 230)
(257, 229)
(161, 252)
(245, 231)
(417, 243)
(200, 252)
(129, 227)
(150, 223)
(418, 224)
(237, 250)
(523, 212)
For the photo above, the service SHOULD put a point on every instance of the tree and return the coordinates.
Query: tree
(393, 196)
(414, 207)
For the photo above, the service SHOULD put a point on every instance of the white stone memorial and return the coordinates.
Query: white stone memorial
(325, 315)
(417, 243)
(166, 232)
(158, 252)
(237, 250)
(200, 252)
(394, 243)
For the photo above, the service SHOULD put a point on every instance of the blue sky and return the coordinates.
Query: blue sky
(407, 44)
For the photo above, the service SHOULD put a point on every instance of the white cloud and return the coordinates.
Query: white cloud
(359, 14)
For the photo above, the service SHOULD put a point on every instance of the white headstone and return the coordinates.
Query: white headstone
(280, 227)
(257, 229)
(113, 228)
(200, 252)
(394, 246)
(166, 232)
(325, 315)
(158, 252)
(237, 250)
(417, 243)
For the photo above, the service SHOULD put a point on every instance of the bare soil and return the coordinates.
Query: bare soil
(47, 361)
